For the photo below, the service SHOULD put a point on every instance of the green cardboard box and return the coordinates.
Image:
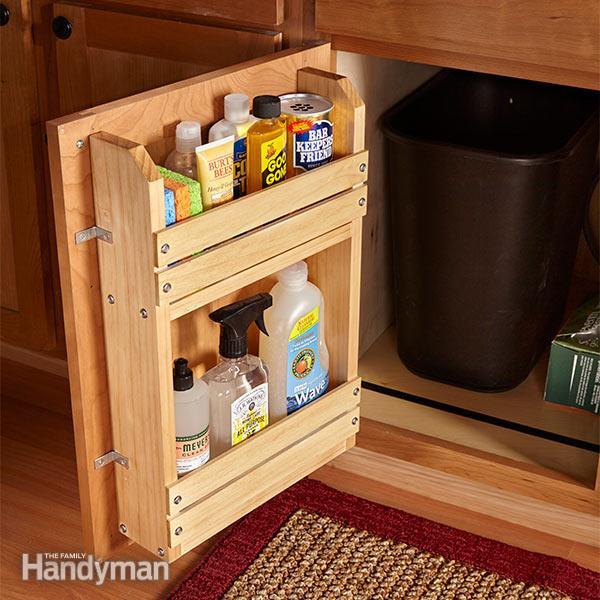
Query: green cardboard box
(574, 370)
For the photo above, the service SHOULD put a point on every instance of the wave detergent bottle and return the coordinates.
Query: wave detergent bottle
(295, 351)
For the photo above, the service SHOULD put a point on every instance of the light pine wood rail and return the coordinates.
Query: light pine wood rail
(268, 443)
(257, 246)
(225, 222)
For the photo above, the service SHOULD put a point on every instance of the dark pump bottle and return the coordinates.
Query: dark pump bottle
(238, 385)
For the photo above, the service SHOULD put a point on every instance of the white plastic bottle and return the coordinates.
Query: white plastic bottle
(295, 351)
(192, 407)
(237, 121)
(183, 159)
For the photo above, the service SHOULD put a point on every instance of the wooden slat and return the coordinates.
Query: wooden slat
(233, 257)
(515, 508)
(142, 118)
(230, 503)
(257, 272)
(232, 219)
(265, 13)
(240, 460)
(176, 40)
(549, 40)
(138, 349)
(453, 459)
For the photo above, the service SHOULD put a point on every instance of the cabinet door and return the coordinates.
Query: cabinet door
(106, 55)
(27, 317)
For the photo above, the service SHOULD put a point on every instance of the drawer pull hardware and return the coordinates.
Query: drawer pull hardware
(363, 167)
(179, 531)
(91, 233)
(354, 420)
(177, 500)
(165, 248)
(62, 28)
(161, 551)
(80, 144)
(166, 288)
(112, 456)
(123, 528)
(144, 313)
(362, 201)
(356, 391)
(4, 15)
(111, 299)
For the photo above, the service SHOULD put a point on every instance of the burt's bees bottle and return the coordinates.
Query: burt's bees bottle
(267, 139)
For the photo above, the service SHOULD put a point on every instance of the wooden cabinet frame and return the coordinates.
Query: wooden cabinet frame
(124, 324)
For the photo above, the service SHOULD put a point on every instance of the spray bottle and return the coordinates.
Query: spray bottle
(238, 385)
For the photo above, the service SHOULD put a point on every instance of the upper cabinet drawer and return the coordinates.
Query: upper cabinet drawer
(555, 41)
(266, 13)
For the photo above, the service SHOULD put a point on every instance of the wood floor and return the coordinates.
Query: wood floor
(40, 505)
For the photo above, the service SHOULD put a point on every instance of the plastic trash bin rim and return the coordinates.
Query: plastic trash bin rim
(490, 155)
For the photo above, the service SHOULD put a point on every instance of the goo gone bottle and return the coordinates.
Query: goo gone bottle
(239, 393)
(295, 351)
(267, 141)
(191, 418)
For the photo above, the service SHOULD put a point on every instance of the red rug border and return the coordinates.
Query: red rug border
(238, 549)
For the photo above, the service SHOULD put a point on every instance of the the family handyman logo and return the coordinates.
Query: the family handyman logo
(69, 566)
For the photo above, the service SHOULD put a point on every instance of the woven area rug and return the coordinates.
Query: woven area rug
(314, 542)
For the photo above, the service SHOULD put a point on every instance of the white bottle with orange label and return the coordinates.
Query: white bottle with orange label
(295, 351)
(192, 409)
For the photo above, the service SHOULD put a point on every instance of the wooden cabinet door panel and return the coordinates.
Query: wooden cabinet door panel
(110, 55)
(27, 317)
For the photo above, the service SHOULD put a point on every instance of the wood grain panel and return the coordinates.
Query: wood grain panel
(263, 446)
(238, 498)
(27, 317)
(145, 119)
(216, 264)
(549, 40)
(110, 55)
(266, 13)
(542, 516)
(230, 220)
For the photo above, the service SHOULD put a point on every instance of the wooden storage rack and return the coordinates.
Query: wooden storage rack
(158, 284)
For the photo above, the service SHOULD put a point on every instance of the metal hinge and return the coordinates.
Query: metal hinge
(112, 456)
(92, 233)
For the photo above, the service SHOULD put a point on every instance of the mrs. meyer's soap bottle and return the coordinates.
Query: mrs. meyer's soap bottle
(191, 418)
(239, 393)
(295, 351)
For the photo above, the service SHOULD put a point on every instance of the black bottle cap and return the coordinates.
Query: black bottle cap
(235, 319)
(266, 107)
(183, 378)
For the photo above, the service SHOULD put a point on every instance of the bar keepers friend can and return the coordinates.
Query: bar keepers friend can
(309, 131)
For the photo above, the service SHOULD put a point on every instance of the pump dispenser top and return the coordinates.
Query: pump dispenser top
(235, 319)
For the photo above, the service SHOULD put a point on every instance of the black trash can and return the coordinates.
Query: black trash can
(489, 178)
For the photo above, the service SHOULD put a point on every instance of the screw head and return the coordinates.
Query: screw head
(80, 144)
(362, 167)
(178, 531)
(123, 527)
(362, 201)
(167, 288)
(177, 500)
(111, 299)
(165, 248)
(161, 551)
(144, 313)
(356, 391)
(354, 420)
